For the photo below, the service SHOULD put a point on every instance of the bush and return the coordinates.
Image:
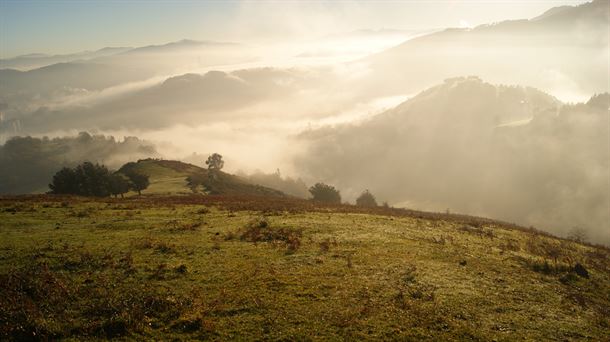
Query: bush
(260, 230)
(325, 193)
(366, 199)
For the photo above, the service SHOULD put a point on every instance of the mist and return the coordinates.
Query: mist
(464, 146)
(28, 164)
(496, 118)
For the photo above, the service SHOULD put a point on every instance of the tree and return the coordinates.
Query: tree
(119, 184)
(194, 181)
(215, 162)
(366, 199)
(139, 181)
(92, 180)
(87, 179)
(64, 182)
(325, 193)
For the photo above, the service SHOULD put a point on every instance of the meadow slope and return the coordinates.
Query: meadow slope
(248, 268)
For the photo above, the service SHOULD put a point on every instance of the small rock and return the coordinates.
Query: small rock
(463, 263)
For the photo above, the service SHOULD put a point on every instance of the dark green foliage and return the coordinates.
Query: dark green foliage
(366, 199)
(139, 181)
(215, 162)
(325, 193)
(87, 179)
(92, 180)
(27, 164)
(119, 184)
(64, 182)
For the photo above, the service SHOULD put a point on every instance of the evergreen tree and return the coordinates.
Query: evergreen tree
(64, 182)
(325, 193)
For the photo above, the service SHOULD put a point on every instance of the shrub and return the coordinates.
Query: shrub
(366, 199)
(325, 193)
(260, 230)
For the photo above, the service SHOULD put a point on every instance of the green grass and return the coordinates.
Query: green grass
(163, 179)
(169, 177)
(155, 269)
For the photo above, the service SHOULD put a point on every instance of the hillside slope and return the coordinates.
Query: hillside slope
(508, 152)
(155, 268)
(543, 52)
(169, 177)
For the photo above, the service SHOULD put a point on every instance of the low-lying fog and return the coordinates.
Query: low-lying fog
(392, 111)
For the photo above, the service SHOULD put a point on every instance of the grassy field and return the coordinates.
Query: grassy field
(227, 268)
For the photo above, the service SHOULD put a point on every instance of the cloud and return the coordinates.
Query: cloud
(447, 148)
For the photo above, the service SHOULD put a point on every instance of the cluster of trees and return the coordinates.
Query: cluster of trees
(28, 163)
(88, 179)
(321, 192)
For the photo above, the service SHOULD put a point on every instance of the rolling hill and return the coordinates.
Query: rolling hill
(509, 152)
(214, 268)
(38, 60)
(169, 177)
(545, 52)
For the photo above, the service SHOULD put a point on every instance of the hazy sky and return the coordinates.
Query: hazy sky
(68, 26)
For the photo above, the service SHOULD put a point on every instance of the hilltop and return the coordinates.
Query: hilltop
(170, 177)
(542, 52)
(227, 267)
(508, 152)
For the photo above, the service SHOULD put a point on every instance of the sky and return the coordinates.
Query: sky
(57, 27)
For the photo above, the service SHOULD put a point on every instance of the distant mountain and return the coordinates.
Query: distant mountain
(23, 93)
(110, 66)
(547, 52)
(512, 153)
(185, 44)
(169, 177)
(37, 60)
(189, 98)
(72, 75)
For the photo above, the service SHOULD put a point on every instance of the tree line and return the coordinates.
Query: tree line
(325, 193)
(88, 179)
(28, 163)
